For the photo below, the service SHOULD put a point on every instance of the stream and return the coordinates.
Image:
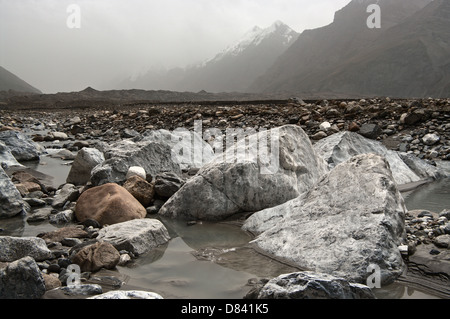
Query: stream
(210, 260)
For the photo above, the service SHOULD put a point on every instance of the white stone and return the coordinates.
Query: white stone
(136, 171)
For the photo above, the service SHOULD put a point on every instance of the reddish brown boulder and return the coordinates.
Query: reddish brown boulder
(108, 204)
(142, 190)
(97, 256)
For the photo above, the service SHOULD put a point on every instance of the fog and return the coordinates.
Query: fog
(118, 39)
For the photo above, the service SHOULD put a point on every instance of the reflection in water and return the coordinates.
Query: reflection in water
(178, 274)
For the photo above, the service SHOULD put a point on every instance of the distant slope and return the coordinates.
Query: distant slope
(9, 81)
(232, 70)
(407, 57)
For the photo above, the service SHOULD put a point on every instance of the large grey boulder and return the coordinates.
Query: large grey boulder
(14, 248)
(6, 157)
(153, 157)
(21, 279)
(22, 147)
(11, 202)
(309, 285)
(353, 218)
(340, 147)
(263, 170)
(138, 236)
(188, 148)
(85, 161)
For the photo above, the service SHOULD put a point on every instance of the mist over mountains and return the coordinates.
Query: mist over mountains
(408, 57)
(232, 70)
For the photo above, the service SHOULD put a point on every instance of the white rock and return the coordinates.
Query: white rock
(244, 180)
(136, 171)
(340, 147)
(325, 126)
(352, 218)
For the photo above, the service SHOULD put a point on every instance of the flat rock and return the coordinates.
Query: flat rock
(14, 248)
(137, 236)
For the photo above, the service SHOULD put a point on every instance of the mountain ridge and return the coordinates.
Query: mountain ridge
(413, 43)
(231, 70)
(11, 82)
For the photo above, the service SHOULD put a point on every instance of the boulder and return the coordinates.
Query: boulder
(142, 190)
(21, 279)
(127, 294)
(14, 248)
(97, 256)
(6, 157)
(136, 236)
(153, 157)
(167, 184)
(108, 204)
(86, 160)
(340, 147)
(67, 193)
(353, 218)
(248, 177)
(188, 148)
(21, 147)
(309, 285)
(11, 202)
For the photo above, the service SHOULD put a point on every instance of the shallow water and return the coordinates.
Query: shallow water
(210, 261)
(434, 197)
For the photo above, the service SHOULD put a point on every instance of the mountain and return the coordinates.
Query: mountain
(232, 70)
(9, 81)
(408, 57)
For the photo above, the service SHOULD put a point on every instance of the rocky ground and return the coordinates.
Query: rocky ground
(418, 127)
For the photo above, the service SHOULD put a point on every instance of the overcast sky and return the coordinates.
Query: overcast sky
(120, 38)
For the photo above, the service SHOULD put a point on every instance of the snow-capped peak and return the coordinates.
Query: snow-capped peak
(254, 37)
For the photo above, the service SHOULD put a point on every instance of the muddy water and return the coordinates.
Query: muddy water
(211, 261)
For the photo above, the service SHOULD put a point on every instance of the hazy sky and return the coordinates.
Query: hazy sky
(119, 38)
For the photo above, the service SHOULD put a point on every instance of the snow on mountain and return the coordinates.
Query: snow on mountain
(255, 37)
